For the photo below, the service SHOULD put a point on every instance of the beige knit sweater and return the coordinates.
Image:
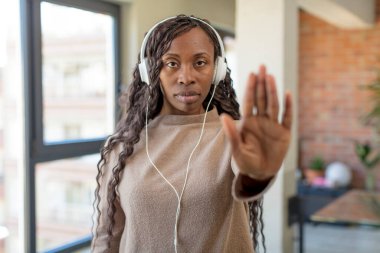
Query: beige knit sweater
(213, 217)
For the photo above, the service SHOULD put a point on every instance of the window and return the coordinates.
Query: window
(77, 72)
(11, 142)
(71, 76)
(64, 197)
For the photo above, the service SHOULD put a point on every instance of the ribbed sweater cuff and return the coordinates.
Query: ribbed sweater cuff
(246, 188)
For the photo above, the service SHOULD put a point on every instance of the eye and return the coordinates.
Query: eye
(171, 64)
(200, 63)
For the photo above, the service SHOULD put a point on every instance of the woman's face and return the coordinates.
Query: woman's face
(187, 72)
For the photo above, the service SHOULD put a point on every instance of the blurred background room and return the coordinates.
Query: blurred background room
(63, 64)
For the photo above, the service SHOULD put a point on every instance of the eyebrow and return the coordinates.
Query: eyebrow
(177, 55)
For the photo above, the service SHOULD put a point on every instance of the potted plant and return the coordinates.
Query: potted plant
(315, 170)
(369, 160)
(365, 151)
(373, 117)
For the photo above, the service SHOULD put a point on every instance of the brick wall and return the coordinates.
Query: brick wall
(333, 64)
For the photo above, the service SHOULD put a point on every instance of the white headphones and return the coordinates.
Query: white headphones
(220, 63)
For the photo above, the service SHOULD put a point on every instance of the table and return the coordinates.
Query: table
(307, 201)
(355, 207)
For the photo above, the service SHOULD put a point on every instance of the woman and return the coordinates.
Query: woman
(178, 173)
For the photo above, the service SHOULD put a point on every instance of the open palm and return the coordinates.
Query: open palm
(260, 142)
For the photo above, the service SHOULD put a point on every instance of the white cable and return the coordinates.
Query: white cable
(147, 151)
(179, 197)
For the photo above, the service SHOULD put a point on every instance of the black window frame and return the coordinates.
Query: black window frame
(36, 150)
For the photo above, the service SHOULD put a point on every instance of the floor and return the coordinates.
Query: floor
(333, 239)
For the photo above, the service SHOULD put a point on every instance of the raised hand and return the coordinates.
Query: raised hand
(259, 144)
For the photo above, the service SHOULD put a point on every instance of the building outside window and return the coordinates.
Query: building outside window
(78, 80)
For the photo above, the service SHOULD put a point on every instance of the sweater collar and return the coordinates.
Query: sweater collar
(212, 116)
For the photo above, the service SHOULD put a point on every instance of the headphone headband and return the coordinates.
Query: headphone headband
(220, 64)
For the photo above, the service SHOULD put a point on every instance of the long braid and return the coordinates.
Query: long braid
(256, 223)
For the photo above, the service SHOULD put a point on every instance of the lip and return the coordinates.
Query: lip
(187, 97)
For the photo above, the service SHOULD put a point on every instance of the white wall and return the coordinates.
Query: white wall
(267, 32)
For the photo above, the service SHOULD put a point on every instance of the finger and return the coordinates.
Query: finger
(230, 131)
(261, 96)
(249, 97)
(287, 121)
(272, 98)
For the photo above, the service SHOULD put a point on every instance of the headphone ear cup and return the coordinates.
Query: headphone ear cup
(220, 70)
(143, 69)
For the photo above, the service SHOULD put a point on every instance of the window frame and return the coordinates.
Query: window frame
(36, 151)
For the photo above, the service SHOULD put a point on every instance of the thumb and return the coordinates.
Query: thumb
(230, 130)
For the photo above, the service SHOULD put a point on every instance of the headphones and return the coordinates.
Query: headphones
(220, 63)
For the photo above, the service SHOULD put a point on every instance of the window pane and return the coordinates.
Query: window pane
(64, 197)
(77, 73)
(11, 120)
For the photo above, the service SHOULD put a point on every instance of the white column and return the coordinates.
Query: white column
(267, 33)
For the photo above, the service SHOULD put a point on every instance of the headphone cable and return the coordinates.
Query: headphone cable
(179, 197)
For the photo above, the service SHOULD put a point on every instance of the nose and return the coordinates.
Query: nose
(186, 75)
